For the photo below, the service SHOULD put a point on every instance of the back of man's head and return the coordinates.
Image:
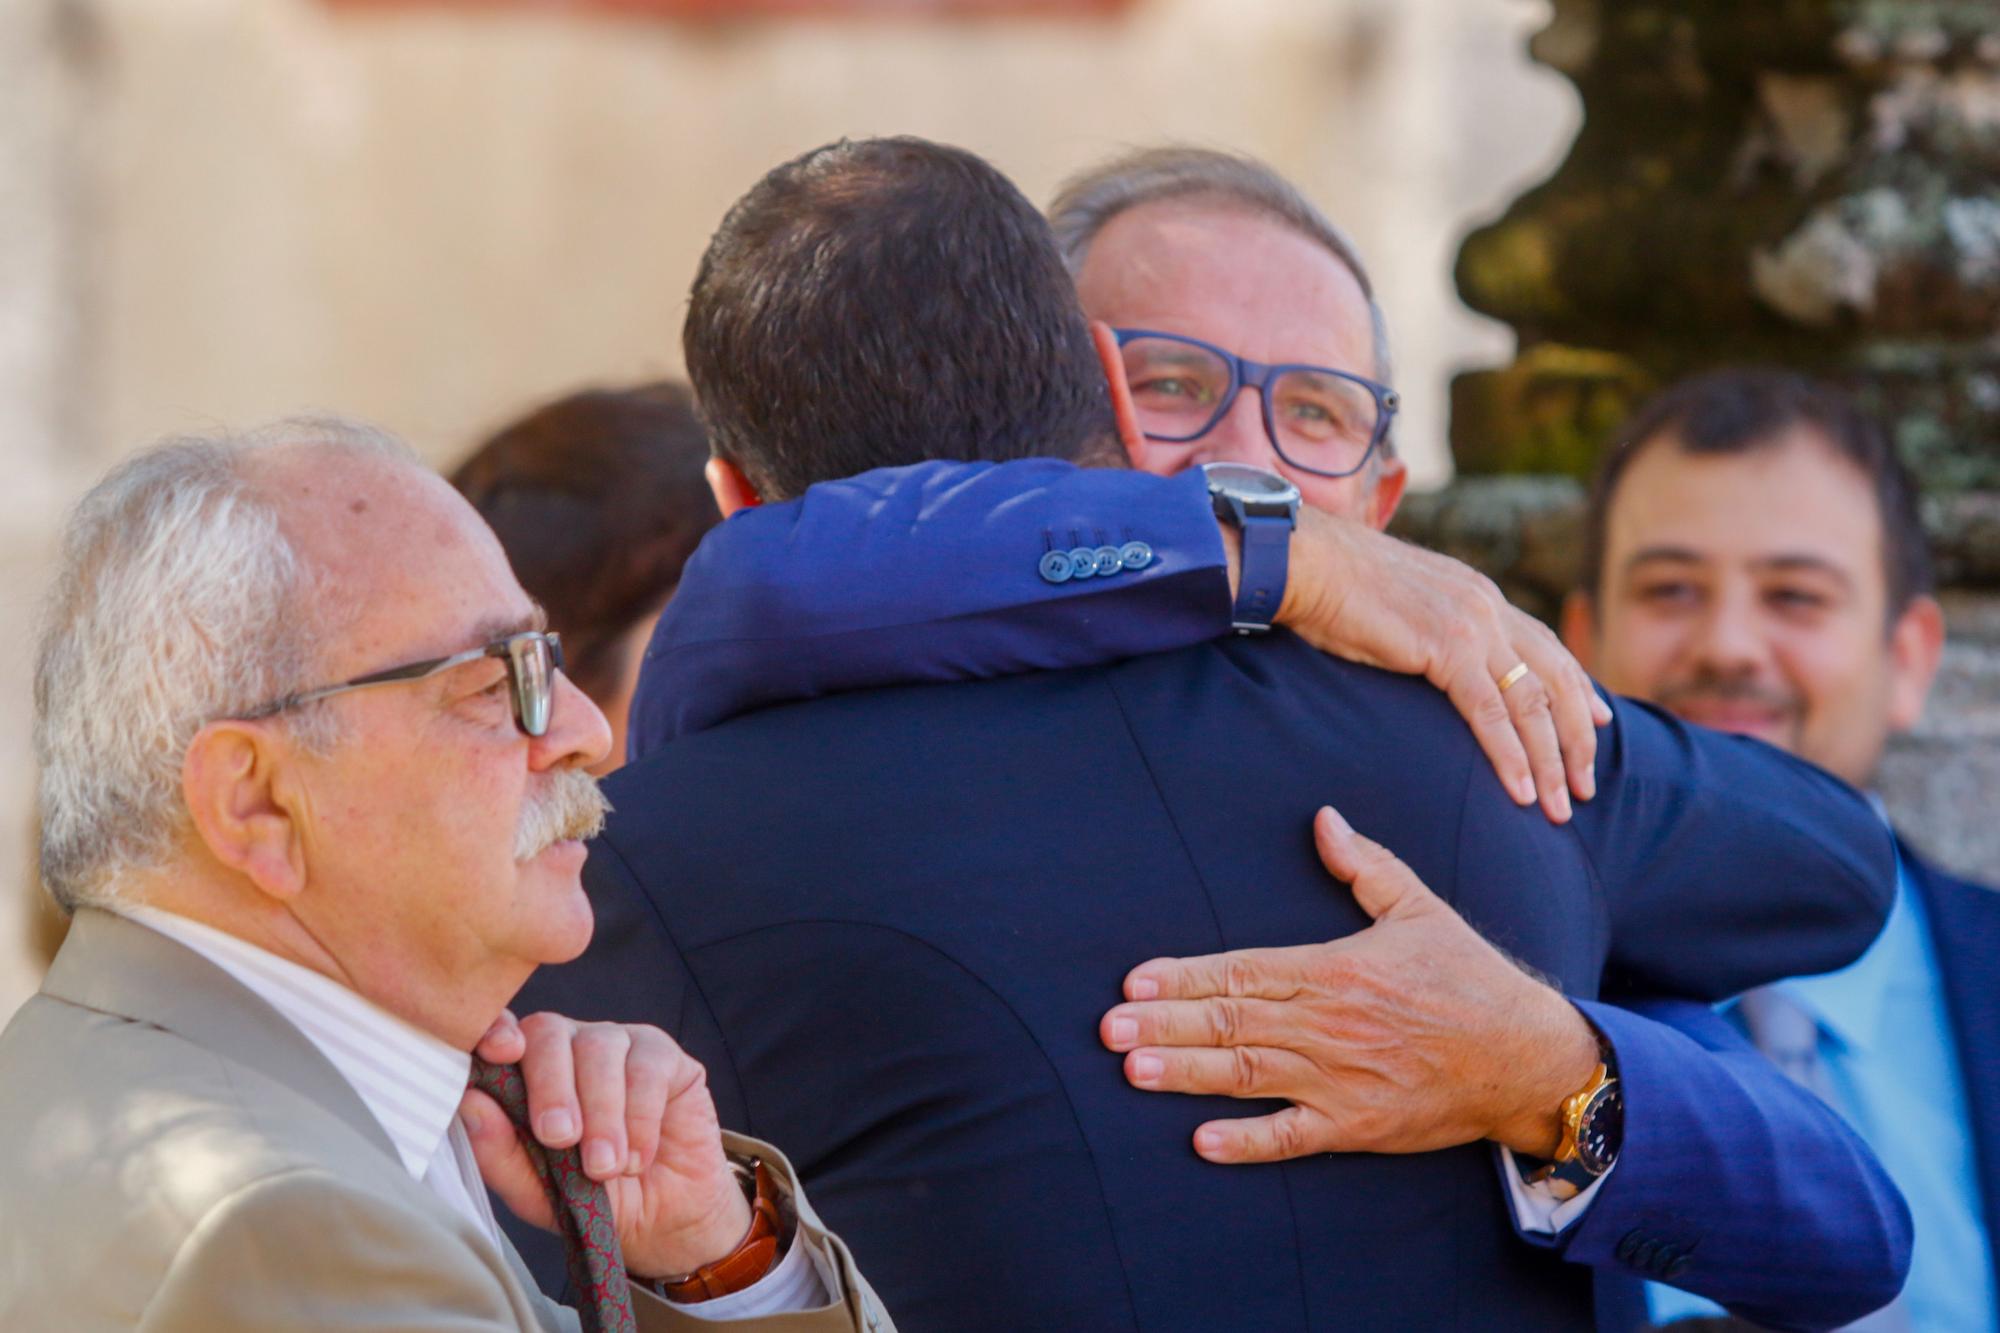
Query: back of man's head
(1741, 410)
(882, 302)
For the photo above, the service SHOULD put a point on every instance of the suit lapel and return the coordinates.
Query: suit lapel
(1965, 929)
(120, 967)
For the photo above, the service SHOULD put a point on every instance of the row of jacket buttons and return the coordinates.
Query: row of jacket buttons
(1086, 562)
(1657, 1257)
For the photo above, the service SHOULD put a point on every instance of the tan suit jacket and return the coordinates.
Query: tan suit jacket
(178, 1157)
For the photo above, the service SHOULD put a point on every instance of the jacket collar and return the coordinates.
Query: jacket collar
(1965, 930)
(120, 967)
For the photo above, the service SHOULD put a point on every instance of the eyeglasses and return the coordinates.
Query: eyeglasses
(532, 660)
(1323, 421)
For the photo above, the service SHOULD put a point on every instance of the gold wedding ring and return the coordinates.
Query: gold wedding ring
(1513, 677)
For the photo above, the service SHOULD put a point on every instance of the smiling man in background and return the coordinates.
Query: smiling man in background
(1755, 562)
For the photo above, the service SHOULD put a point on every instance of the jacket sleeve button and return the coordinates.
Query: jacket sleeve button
(1055, 567)
(1135, 556)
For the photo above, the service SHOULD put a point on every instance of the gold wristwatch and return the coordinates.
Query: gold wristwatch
(1593, 1128)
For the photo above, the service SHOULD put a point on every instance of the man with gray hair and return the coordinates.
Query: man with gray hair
(313, 787)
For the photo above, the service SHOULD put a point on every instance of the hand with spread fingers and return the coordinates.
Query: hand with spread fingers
(640, 1106)
(1411, 1035)
(1368, 597)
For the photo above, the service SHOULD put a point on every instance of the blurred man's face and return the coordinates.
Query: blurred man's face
(1254, 286)
(1747, 592)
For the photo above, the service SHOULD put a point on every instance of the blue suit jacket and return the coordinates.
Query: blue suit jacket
(1964, 921)
(1965, 926)
(908, 1002)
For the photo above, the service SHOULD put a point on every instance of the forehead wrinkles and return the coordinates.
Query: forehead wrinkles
(397, 562)
(1231, 274)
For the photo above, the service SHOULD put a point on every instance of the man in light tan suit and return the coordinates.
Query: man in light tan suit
(312, 783)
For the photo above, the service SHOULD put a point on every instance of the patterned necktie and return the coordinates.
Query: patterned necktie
(1788, 1034)
(582, 1210)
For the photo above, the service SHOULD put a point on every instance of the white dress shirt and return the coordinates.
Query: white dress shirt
(412, 1081)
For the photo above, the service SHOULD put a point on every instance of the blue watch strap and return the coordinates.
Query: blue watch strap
(1267, 552)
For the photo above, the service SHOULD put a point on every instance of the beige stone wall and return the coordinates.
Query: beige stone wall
(246, 207)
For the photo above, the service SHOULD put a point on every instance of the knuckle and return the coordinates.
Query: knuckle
(1491, 710)
(1225, 1021)
(604, 1040)
(545, 1027)
(1246, 1069)
(1238, 976)
(1288, 1136)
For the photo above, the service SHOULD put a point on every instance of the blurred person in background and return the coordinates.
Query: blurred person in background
(1245, 323)
(1755, 561)
(886, 570)
(598, 498)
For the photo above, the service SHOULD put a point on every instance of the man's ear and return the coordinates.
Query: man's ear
(1390, 478)
(246, 807)
(1579, 629)
(1123, 414)
(1916, 647)
(732, 490)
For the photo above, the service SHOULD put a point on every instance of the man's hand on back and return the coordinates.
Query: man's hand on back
(1367, 597)
(640, 1107)
(1412, 1035)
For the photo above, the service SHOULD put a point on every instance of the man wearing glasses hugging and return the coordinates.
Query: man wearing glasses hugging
(986, 863)
(312, 783)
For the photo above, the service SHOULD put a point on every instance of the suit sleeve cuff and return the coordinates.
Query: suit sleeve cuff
(800, 1280)
(1537, 1211)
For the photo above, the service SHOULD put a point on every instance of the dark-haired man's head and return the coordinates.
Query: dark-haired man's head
(1755, 562)
(598, 498)
(882, 302)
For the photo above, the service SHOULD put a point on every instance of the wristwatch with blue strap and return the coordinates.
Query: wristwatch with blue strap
(1264, 507)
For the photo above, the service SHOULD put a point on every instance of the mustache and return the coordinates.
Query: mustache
(1718, 690)
(568, 806)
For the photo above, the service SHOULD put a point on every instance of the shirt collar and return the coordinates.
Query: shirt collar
(410, 1080)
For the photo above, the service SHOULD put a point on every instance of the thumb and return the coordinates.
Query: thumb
(1382, 884)
(503, 1162)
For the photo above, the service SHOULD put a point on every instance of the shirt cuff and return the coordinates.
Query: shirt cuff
(794, 1283)
(1536, 1208)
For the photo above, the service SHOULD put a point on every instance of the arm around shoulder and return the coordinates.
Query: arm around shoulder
(1726, 863)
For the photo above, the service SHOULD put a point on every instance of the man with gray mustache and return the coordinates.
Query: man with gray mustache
(313, 787)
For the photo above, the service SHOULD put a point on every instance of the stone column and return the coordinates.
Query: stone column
(1810, 183)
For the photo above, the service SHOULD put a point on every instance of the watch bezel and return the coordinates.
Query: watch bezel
(1608, 1100)
(1260, 491)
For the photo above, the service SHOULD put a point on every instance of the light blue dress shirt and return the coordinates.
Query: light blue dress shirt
(1886, 1045)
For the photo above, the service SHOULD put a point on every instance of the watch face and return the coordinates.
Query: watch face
(1602, 1130)
(1250, 483)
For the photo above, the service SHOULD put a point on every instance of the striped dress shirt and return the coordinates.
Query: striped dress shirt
(412, 1081)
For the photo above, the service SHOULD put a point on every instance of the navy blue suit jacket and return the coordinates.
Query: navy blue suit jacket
(1691, 813)
(1964, 921)
(888, 922)
(1965, 926)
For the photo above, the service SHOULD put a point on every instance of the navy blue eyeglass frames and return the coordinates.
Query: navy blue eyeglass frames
(1320, 420)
